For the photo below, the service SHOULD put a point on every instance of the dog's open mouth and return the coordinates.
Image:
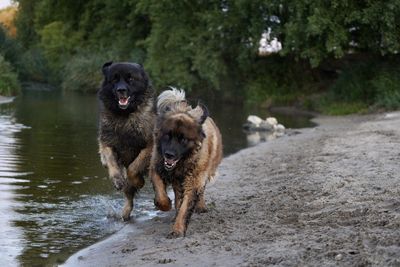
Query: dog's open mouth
(123, 101)
(169, 164)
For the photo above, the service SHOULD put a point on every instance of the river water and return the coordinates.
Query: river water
(55, 197)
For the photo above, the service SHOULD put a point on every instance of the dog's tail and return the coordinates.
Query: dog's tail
(169, 97)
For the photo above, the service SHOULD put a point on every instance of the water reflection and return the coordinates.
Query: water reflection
(231, 117)
(11, 237)
(255, 137)
(54, 191)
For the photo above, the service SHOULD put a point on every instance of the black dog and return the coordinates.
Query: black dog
(126, 127)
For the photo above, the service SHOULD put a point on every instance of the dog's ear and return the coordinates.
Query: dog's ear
(145, 77)
(200, 113)
(205, 113)
(144, 74)
(105, 68)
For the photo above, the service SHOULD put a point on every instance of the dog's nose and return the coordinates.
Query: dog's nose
(169, 154)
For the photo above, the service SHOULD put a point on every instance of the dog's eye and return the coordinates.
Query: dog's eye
(183, 140)
(131, 79)
(166, 137)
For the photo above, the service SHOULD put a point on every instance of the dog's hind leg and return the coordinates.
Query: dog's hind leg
(178, 191)
(201, 203)
(129, 192)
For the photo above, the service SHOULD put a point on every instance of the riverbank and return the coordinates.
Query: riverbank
(327, 196)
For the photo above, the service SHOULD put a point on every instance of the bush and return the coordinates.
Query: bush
(387, 87)
(372, 83)
(9, 84)
(353, 84)
(32, 66)
(58, 43)
(83, 71)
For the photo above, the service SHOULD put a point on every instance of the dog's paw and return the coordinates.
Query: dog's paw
(120, 182)
(175, 234)
(163, 205)
(126, 217)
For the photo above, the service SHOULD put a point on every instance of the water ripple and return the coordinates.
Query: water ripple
(10, 236)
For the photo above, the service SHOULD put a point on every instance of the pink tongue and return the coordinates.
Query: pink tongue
(123, 101)
(170, 161)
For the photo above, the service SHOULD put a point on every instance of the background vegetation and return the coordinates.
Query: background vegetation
(338, 56)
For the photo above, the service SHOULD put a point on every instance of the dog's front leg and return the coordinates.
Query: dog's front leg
(129, 192)
(187, 205)
(116, 173)
(161, 199)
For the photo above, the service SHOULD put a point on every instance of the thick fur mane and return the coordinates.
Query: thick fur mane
(173, 101)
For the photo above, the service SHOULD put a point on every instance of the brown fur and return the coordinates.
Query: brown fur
(194, 170)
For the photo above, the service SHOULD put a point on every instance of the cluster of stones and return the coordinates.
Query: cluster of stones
(270, 124)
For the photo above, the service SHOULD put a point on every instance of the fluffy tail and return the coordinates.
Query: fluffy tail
(169, 97)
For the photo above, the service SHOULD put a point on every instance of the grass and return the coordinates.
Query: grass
(343, 108)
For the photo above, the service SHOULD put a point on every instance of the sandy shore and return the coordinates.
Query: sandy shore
(328, 196)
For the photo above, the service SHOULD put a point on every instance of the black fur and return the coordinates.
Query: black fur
(130, 77)
(126, 131)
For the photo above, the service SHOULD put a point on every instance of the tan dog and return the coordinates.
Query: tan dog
(187, 150)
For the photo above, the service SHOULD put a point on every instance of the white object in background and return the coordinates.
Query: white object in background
(268, 47)
(254, 120)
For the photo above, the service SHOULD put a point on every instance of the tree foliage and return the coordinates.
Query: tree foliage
(212, 44)
(9, 84)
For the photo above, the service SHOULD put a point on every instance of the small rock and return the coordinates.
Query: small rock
(165, 261)
(253, 138)
(266, 126)
(272, 121)
(256, 121)
(279, 128)
(339, 257)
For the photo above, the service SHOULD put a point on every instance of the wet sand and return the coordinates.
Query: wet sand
(327, 196)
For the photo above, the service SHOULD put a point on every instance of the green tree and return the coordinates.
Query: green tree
(211, 45)
(9, 84)
(58, 44)
(316, 30)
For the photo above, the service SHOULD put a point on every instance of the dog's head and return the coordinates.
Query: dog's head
(179, 134)
(125, 87)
